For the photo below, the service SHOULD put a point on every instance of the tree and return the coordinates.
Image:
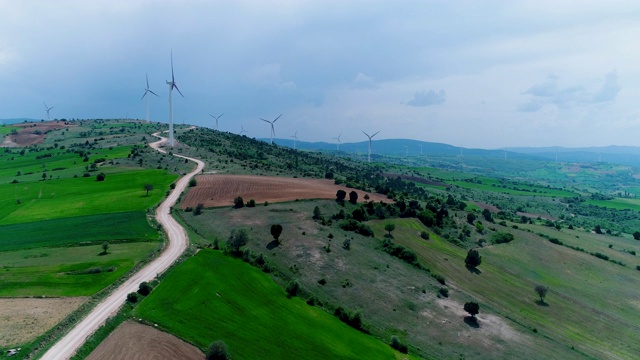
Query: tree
(193, 182)
(340, 195)
(238, 239)
(473, 258)
(397, 344)
(292, 288)
(238, 202)
(597, 229)
(105, 247)
(541, 291)
(471, 217)
(132, 298)
(487, 215)
(148, 187)
(389, 227)
(317, 214)
(636, 235)
(472, 308)
(276, 230)
(218, 351)
(144, 288)
(353, 197)
(101, 177)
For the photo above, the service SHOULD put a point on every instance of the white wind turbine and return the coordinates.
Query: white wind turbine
(273, 130)
(370, 137)
(295, 138)
(338, 143)
(406, 151)
(147, 91)
(172, 85)
(216, 117)
(420, 149)
(47, 109)
(243, 130)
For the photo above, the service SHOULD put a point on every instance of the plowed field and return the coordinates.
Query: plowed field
(135, 341)
(220, 190)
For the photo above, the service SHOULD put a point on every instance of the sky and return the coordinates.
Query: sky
(483, 74)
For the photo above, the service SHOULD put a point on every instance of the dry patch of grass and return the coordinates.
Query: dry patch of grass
(24, 319)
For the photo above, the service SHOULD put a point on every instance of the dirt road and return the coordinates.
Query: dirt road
(178, 241)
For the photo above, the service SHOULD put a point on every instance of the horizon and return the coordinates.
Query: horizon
(489, 75)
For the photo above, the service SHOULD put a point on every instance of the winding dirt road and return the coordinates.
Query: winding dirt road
(178, 241)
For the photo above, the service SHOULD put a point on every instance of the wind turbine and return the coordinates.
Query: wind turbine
(339, 142)
(420, 149)
(146, 92)
(406, 151)
(47, 109)
(172, 85)
(295, 138)
(370, 137)
(243, 130)
(273, 130)
(216, 117)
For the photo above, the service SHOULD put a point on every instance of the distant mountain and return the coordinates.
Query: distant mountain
(16, 121)
(625, 155)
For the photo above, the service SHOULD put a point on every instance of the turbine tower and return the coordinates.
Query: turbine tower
(47, 109)
(273, 130)
(420, 149)
(295, 138)
(216, 117)
(338, 143)
(370, 137)
(406, 151)
(243, 130)
(172, 85)
(147, 91)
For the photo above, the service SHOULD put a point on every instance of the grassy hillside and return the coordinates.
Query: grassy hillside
(590, 310)
(212, 296)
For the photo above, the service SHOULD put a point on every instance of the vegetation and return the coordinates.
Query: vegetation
(472, 308)
(473, 259)
(541, 291)
(218, 351)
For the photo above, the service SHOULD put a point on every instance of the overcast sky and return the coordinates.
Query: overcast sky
(485, 74)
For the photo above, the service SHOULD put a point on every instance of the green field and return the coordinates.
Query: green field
(44, 271)
(591, 306)
(617, 203)
(212, 296)
(44, 200)
(123, 226)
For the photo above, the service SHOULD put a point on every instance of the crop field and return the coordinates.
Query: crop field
(24, 319)
(122, 226)
(590, 308)
(132, 340)
(46, 200)
(617, 203)
(67, 271)
(220, 190)
(212, 296)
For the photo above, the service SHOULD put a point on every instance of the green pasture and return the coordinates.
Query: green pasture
(591, 304)
(617, 203)
(122, 226)
(43, 271)
(6, 129)
(212, 296)
(54, 199)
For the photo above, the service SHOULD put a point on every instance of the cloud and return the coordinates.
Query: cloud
(550, 93)
(609, 89)
(363, 81)
(269, 75)
(428, 98)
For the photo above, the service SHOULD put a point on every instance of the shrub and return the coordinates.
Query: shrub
(101, 177)
(292, 288)
(353, 197)
(132, 298)
(502, 238)
(397, 344)
(238, 239)
(238, 202)
(473, 258)
(346, 244)
(198, 209)
(144, 288)
(193, 182)
(218, 351)
(424, 235)
(444, 292)
(341, 195)
(251, 203)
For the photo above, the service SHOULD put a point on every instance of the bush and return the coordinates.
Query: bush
(218, 351)
(397, 344)
(144, 288)
(238, 239)
(238, 202)
(353, 197)
(424, 235)
(444, 292)
(352, 319)
(341, 195)
(198, 209)
(101, 177)
(346, 244)
(502, 238)
(473, 258)
(251, 203)
(132, 298)
(292, 288)
(193, 182)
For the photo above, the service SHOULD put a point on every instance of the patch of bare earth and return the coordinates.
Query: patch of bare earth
(220, 190)
(483, 206)
(24, 319)
(31, 133)
(135, 341)
(535, 216)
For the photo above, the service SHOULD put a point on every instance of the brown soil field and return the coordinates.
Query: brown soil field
(535, 216)
(416, 179)
(135, 341)
(24, 319)
(483, 206)
(220, 190)
(26, 135)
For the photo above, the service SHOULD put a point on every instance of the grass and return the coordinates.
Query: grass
(122, 226)
(578, 314)
(54, 199)
(617, 203)
(212, 296)
(43, 271)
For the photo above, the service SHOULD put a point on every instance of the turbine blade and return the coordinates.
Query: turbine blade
(145, 94)
(219, 116)
(375, 133)
(273, 130)
(153, 93)
(172, 77)
(147, 75)
(365, 133)
(45, 105)
(276, 119)
(176, 87)
(212, 116)
(265, 120)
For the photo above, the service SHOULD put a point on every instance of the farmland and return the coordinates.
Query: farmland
(216, 297)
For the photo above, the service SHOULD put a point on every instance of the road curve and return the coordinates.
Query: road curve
(177, 244)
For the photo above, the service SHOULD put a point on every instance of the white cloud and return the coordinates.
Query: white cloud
(428, 98)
